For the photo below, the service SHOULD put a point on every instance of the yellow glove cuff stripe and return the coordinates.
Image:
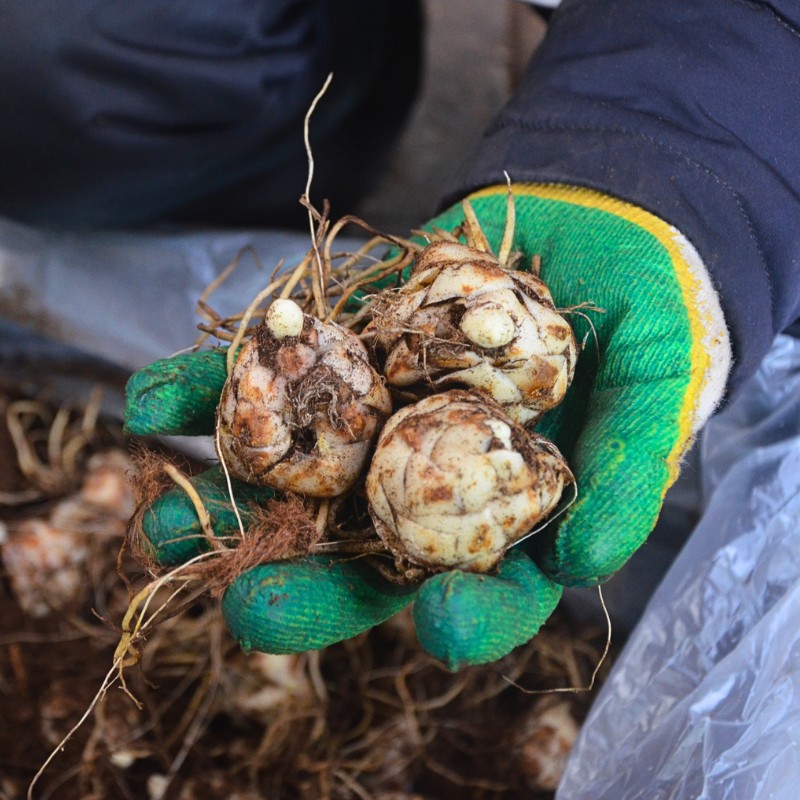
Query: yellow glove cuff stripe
(710, 355)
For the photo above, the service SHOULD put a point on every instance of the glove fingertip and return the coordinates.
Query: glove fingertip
(170, 524)
(175, 396)
(292, 607)
(464, 619)
(611, 519)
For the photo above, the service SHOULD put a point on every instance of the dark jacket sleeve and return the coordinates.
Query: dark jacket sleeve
(119, 113)
(690, 110)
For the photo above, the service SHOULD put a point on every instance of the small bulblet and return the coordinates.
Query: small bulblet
(462, 319)
(454, 482)
(301, 406)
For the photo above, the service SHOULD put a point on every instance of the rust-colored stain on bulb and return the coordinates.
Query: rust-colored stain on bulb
(300, 413)
(454, 482)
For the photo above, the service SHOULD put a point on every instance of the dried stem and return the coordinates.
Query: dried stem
(63, 439)
(318, 275)
(111, 676)
(226, 273)
(508, 231)
(476, 238)
(380, 272)
(228, 482)
(297, 275)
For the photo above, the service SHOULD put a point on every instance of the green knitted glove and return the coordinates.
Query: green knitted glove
(653, 368)
(641, 391)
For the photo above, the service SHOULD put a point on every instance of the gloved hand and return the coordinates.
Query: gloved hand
(641, 390)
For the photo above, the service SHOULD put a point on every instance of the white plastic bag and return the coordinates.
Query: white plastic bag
(704, 701)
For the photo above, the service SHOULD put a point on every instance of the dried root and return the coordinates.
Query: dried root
(50, 447)
(283, 529)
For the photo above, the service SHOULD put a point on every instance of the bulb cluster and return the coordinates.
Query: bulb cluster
(473, 353)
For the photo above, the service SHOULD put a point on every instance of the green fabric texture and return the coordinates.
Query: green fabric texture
(620, 420)
(462, 618)
(290, 607)
(171, 524)
(176, 396)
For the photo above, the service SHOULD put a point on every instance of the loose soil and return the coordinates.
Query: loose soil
(373, 717)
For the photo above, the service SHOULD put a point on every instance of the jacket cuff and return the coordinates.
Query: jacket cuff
(682, 110)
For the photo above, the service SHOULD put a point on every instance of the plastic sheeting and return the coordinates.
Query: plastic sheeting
(704, 701)
(130, 298)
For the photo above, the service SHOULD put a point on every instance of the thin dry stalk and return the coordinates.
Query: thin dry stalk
(574, 689)
(475, 236)
(202, 302)
(111, 676)
(202, 514)
(507, 243)
(319, 279)
(229, 485)
(300, 272)
(380, 272)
